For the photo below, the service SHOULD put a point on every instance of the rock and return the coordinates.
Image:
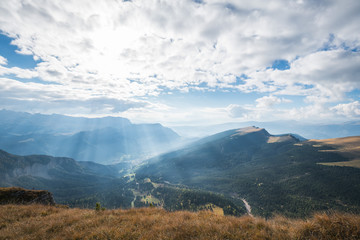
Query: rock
(16, 195)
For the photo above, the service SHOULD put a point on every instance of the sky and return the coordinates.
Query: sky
(182, 62)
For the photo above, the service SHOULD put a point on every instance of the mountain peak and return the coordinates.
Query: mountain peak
(246, 130)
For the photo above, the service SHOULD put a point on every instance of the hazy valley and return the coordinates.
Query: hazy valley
(229, 173)
(103, 140)
(192, 119)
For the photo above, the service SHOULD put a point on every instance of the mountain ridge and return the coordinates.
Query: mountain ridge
(308, 130)
(103, 140)
(274, 174)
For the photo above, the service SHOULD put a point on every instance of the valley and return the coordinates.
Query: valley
(192, 119)
(235, 172)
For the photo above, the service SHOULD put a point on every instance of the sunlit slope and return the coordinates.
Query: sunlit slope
(274, 174)
(307, 130)
(219, 152)
(348, 147)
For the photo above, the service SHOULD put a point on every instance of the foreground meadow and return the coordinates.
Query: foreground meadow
(47, 222)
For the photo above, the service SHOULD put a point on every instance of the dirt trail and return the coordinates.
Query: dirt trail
(247, 206)
(133, 202)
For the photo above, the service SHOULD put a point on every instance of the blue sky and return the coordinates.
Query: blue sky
(182, 62)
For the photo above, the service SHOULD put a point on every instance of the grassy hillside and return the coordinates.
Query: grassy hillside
(45, 222)
(276, 175)
(348, 147)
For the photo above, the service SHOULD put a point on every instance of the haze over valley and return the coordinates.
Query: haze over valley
(135, 112)
(243, 170)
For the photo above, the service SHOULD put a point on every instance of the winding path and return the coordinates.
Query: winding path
(133, 202)
(247, 206)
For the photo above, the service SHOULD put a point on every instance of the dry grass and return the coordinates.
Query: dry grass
(276, 139)
(348, 147)
(46, 222)
(353, 163)
(246, 130)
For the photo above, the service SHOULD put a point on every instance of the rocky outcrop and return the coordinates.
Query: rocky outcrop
(15, 195)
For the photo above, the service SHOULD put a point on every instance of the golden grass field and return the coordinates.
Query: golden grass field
(47, 222)
(348, 147)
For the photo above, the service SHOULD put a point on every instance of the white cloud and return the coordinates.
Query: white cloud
(118, 40)
(3, 61)
(312, 112)
(18, 72)
(269, 101)
(236, 111)
(350, 110)
(35, 97)
(128, 50)
(326, 74)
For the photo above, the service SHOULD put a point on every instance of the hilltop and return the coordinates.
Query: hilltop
(309, 130)
(46, 222)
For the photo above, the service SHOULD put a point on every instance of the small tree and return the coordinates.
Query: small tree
(98, 206)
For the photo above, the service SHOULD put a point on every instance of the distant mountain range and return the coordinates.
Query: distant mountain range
(307, 130)
(103, 140)
(27, 123)
(275, 174)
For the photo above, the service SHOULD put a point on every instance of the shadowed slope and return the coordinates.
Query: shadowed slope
(73, 183)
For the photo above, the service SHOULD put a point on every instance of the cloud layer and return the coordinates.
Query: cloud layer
(125, 51)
